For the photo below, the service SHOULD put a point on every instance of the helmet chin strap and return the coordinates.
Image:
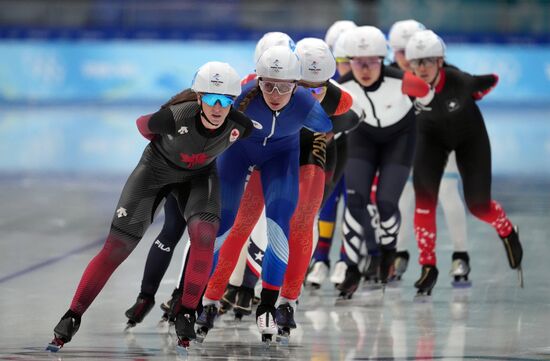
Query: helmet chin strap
(432, 83)
(206, 118)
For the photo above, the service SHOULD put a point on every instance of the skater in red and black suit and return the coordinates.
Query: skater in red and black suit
(450, 120)
(187, 134)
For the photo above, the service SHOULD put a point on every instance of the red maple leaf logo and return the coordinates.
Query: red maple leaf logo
(193, 160)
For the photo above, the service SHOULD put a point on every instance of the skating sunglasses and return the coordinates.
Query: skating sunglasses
(360, 63)
(211, 99)
(416, 63)
(318, 90)
(282, 87)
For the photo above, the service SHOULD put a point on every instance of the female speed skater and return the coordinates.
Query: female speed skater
(450, 120)
(187, 135)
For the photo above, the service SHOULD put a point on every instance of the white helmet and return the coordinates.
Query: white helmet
(336, 29)
(272, 39)
(338, 49)
(401, 32)
(365, 41)
(216, 77)
(424, 44)
(318, 63)
(279, 62)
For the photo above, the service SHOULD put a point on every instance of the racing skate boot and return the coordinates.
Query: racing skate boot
(265, 320)
(170, 308)
(317, 275)
(339, 273)
(140, 309)
(387, 261)
(460, 270)
(350, 284)
(284, 317)
(243, 302)
(206, 321)
(185, 329)
(400, 265)
(514, 252)
(426, 282)
(372, 272)
(64, 331)
(228, 299)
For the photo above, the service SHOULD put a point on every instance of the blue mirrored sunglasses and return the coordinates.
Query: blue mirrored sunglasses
(211, 99)
(318, 90)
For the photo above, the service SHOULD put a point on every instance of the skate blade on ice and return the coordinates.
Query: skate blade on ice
(267, 340)
(461, 284)
(283, 337)
(201, 334)
(182, 349)
(423, 297)
(520, 276)
(54, 346)
(129, 326)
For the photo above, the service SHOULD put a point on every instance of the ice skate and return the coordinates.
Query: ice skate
(265, 320)
(350, 284)
(243, 302)
(460, 270)
(228, 300)
(514, 252)
(139, 310)
(339, 273)
(206, 321)
(372, 273)
(64, 331)
(170, 307)
(284, 317)
(400, 265)
(426, 283)
(317, 275)
(185, 329)
(387, 261)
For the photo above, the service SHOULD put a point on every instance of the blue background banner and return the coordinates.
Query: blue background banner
(65, 71)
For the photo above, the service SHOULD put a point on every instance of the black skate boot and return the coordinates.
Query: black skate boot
(426, 282)
(171, 307)
(228, 300)
(460, 270)
(400, 265)
(140, 309)
(64, 331)
(284, 317)
(185, 329)
(350, 284)
(514, 252)
(265, 320)
(243, 302)
(206, 321)
(387, 261)
(372, 272)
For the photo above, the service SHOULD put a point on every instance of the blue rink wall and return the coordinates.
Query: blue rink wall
(71, 106)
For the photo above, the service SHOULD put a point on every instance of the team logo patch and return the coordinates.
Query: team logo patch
(276, 67)
(257, 125)
(452, 105)
(216, 81)
(192, 160)
(234, 135)
(363, 44)
(314, 67)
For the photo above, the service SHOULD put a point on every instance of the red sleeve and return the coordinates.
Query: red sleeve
(344, 104)
(247, 79)
(143, 126)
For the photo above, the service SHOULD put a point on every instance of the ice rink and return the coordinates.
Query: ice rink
(53, 223)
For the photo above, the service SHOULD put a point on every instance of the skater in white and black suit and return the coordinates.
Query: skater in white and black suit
(384, 142)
